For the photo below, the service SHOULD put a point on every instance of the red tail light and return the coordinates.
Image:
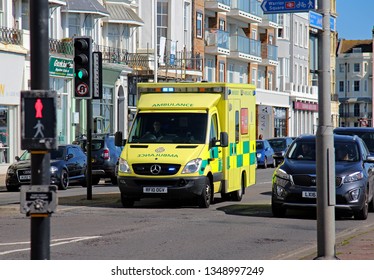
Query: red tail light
(106, 154)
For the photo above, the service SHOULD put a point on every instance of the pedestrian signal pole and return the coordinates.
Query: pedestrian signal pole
(39, 135)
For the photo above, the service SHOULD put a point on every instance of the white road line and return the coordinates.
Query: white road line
(54, 242)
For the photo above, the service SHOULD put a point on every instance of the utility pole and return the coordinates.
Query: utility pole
(325, 141)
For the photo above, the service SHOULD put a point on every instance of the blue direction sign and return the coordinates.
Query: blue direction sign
(288, 6)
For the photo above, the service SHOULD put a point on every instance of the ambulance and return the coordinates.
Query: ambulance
(189, 141)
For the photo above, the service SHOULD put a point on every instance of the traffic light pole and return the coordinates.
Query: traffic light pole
(40, 160)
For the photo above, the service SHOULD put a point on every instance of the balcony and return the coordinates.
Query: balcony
(10, 36)
(183, 60)
(218, 5)
(248, 11)
(245, 49)
(269, 54)
(217, 42)
(269, 21)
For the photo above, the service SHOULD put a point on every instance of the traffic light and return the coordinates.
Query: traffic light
(38, 123)
(83, 67)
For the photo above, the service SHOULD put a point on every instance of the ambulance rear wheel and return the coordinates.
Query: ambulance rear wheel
(238, 195)
(206, 197)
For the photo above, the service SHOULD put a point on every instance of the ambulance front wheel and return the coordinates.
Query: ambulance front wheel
(127, 202)
(206, 197)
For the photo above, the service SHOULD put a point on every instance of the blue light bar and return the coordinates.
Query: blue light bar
(167, 89)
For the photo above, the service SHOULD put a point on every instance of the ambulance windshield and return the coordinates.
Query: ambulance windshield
(169, 128)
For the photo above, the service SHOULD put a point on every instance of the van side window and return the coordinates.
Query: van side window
(213, 128)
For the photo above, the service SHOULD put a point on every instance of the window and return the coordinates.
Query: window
(221, 72)
(356, 67)
(254, 34)
(74, 24)
(270, 80)
(25, 15)
(356, 85)
(87, 25)
(241, 74)
(254, 76)
(341, 68)
(214, 128)
(209, 70)
(162, 22)
(341, 86)
(356, 110)
(231, 73)
(103, 108)
(199, 25)
(2, 23)
(114, 35)
(366, 85)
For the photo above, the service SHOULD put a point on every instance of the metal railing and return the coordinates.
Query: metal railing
(10, 36)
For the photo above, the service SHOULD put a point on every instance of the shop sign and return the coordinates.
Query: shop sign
(61, 67)
(305, 106)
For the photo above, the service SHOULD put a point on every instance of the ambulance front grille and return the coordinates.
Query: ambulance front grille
(155, 169)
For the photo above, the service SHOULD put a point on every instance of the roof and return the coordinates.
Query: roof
(346, 46)
(85, 7)
(122, 13)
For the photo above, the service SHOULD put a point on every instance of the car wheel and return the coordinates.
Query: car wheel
(127, 202)
(363, 213)
(265, 163)
(238, 195)
(114, 180)
(12, 188)
(64, 180)
(278, 211)
(95, 180)
(206, 196)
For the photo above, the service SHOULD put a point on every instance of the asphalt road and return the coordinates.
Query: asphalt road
(100, 228)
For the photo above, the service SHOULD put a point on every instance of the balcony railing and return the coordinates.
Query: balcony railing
(270, 52)
(251, 7)
(245, 45)
(10, 36)
(144, 61)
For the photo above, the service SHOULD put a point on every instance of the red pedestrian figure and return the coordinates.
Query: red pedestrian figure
(38, 108)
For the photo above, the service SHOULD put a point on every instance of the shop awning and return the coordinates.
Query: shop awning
(121, 13)
(355, 100)
(85, 7)
(56, 3)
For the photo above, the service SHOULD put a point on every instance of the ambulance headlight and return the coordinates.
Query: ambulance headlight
(192, 166)
(123, 166)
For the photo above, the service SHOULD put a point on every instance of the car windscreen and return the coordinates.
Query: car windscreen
(302, 150)
(97, 144)
(170, 127)
(278, 145)
(259, 145)
(367, 137)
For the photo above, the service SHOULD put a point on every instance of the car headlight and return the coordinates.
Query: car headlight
(354, 177)
(192, 166)
(123, 166)
(11, 171)
(259, 155)
(282, 174)
(53, 169)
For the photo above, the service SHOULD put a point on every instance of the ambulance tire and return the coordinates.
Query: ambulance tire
(238, 194)
(206, 197)
(127, 202)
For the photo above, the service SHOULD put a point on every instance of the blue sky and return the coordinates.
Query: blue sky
(355, 19)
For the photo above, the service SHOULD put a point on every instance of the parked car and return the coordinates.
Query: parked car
(365, 133)
(105, 155)
(294, 182)
(68, 165)
(264, 154)
(280, 146)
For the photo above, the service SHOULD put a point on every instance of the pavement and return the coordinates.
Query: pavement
(357, 244)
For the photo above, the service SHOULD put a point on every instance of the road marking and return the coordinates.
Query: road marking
(56, 242)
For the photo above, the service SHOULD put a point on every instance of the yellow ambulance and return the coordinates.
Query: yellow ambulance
(189, 141)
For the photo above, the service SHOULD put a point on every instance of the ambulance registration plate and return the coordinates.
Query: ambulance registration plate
(155, 189)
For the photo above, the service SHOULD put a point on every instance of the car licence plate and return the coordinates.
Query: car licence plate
(25, 177)
(155, 189)
(309, 194)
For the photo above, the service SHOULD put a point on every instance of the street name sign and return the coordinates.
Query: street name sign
(279, 6)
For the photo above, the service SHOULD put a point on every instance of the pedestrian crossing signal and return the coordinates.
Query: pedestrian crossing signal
(38, 124)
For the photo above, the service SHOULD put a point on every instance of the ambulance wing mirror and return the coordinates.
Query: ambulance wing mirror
(224, 139)
(118, 139)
